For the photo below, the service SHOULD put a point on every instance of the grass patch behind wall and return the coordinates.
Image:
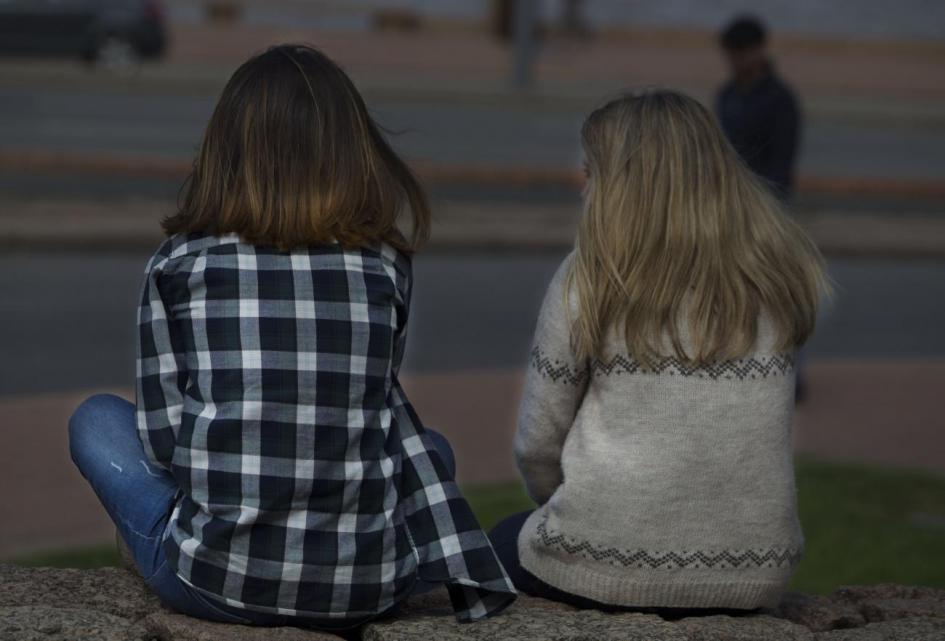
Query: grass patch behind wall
(862, 524)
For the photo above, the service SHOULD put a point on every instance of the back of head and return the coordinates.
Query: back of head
(679, 239)
(744, 42)
(291, 158)
(743, 32)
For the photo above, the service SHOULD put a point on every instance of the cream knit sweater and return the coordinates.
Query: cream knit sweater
(672, 487)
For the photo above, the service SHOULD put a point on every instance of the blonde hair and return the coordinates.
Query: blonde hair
(676, 229)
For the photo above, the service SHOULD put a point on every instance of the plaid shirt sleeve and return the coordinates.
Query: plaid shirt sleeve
(451, 546)
(161, 376)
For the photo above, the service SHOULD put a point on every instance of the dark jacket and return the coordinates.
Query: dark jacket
(763, 124)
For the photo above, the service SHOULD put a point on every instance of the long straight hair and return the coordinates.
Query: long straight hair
(291, 157)
(681, 248)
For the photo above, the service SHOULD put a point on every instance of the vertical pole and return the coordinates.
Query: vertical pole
(524, 41)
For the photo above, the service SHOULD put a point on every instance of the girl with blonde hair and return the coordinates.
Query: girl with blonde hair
(655, 428)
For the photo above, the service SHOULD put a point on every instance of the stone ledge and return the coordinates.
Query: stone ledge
(46, 604)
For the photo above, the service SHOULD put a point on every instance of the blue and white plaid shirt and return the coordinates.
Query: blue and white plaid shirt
(267, 386)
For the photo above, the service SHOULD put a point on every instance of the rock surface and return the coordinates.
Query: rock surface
(108, 604)
(167, 626)
(44, 604)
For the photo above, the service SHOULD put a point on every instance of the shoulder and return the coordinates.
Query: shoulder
(725, 90)
(560, 279)
(397, 260)
(781, 92)
(560, 295)
(177, 249)
(398, 266)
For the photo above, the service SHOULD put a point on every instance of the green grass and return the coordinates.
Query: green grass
(87, 556)
(495, 501)
(862, 524)
(869, 525)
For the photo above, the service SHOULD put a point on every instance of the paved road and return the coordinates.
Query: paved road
(849, 18)
(67, 320)
(451, 132)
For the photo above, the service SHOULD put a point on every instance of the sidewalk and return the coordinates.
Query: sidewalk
(892, 87)
(899, 80)
(56, 223)
(881, 412)
(687, 59)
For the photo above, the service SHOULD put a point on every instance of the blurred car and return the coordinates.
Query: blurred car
(110, 32)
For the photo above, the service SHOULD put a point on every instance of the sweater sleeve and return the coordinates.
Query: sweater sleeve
(555, 383)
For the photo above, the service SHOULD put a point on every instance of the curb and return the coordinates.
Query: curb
(177, 168)
(551, 97)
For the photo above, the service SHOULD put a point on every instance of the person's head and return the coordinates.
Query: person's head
(291, 158)
(680, 243)
(744, 42)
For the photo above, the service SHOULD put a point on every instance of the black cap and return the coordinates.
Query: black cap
(744, 32)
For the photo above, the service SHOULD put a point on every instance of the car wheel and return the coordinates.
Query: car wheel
(116, 54)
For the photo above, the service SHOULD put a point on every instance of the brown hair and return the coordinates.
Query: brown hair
(679, 239)
(292, 158)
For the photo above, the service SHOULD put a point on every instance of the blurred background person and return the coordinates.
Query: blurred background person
(759, 114)
(757, 110)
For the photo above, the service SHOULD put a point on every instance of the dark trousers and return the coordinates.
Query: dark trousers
(504, 537)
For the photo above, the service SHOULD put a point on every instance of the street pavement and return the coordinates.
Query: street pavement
(914, 19)
(449, 132)
(874, 107)
(67, 318)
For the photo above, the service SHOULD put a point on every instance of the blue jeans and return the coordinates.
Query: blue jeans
(104, 443)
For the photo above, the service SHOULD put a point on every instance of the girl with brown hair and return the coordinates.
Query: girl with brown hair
(272, 471)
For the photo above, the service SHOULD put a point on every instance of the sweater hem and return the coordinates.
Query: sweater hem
(650, 588)
(747, 595)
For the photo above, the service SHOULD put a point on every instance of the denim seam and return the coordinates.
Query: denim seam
(206, 602)
(126, 526)
(150, 577)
